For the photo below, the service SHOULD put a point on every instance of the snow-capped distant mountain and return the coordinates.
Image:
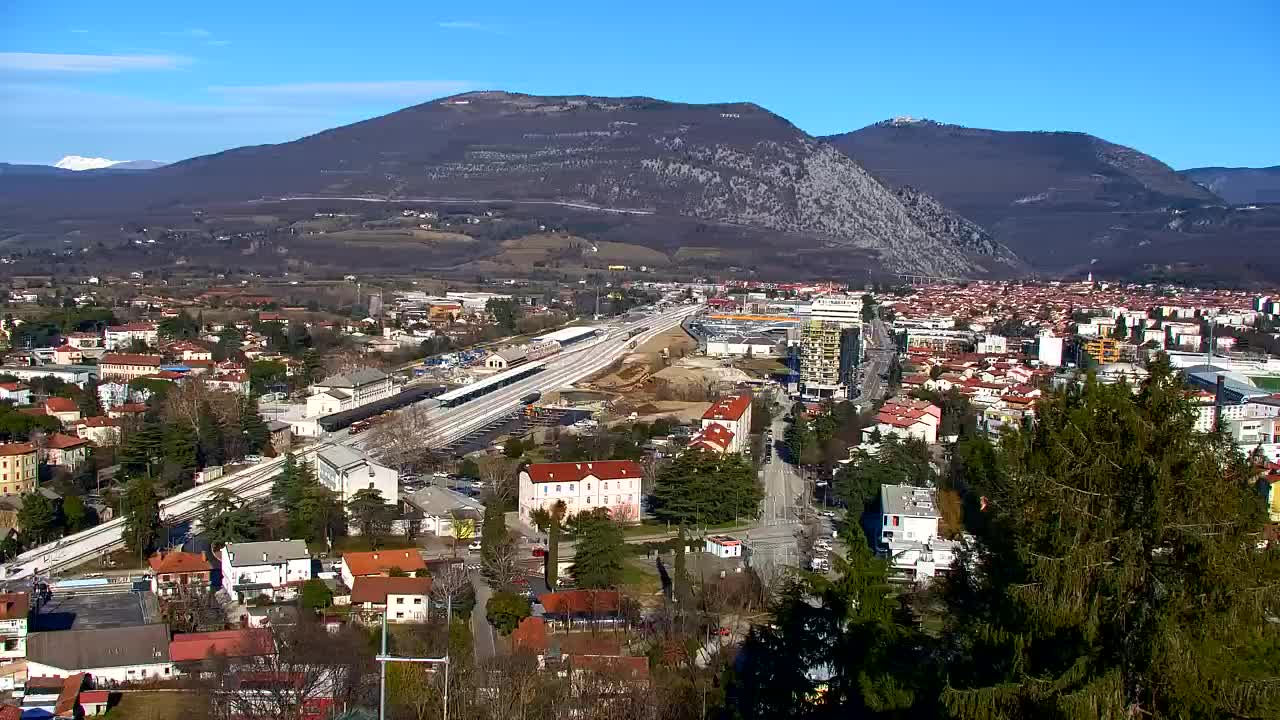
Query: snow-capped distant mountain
(79, 162)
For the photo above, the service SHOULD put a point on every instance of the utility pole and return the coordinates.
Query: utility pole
(383, 658)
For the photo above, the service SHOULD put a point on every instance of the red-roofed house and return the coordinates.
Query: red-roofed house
(908, 418)
(405, 599)
(612, 484)
(570, 605)
(65, 409)
(380, 563)
(242, 644)
(67, 355)
(174, 571)
(99, 430)
(15, 392)
(713, 438)
(67, 451)
(734, 413)
(10, 712)
(186, 350)
(530, 636)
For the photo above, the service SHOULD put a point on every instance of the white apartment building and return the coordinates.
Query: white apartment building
(350, 390)
(733, 413)
(121, 337)
(993, 345)
(274, 568)
(347, 472)
(612, 484)
(843, 309)
(1049, 351)
(909, 532)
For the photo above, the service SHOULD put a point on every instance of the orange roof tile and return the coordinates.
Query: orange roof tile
(382, 562)
(177, 561)
(374, 589)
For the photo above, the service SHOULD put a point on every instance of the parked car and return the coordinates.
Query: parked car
(253, 458)
(539, 552)
(474, 546)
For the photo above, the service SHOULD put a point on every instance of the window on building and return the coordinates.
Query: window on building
(399, 601)
(164, 578)
(399, 616)
(895, 520)
(544, 489)
(604, 500)
(417, 601)
(557, 488)
(606, 486)
(886, 520)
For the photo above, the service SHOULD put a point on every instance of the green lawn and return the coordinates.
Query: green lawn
(359, 543)
(1266, 382)
(639, 575)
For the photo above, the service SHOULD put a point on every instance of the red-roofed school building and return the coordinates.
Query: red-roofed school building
(612, 484)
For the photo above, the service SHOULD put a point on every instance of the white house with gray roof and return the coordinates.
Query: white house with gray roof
(347, 472)
(337, 393)
(909, 518)
(275, 568)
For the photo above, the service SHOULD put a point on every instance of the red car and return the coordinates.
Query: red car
(723, 632)
(539, 552)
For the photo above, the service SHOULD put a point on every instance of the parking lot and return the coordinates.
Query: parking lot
(65, 611)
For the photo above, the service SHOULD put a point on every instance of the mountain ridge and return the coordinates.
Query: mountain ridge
(725, 163)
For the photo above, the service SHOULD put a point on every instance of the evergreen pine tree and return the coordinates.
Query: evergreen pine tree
(252, 426)
(142, 527)
(211, 444)
(1119, 571)
(89, 403)
(141, 450)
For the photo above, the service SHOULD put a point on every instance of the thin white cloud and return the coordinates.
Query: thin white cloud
(472, 26)
(57, 62)
(217, 43)
(198, 33)
(394, 89)
(79, 31)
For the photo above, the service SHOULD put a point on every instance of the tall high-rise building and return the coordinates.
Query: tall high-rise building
(1050, 350)
(843, 309)
(828, 353)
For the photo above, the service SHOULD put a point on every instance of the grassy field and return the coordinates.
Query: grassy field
(160, 705)
(359, 543)
(1266, 382)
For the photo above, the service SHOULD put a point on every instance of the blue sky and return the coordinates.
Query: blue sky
(1192, 83)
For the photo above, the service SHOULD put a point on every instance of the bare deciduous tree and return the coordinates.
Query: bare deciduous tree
(400, 440)
(498, 473)
(502, 565)
(309, 666)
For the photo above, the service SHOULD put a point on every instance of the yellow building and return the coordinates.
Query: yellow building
(19, 468)
(1103, 350)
